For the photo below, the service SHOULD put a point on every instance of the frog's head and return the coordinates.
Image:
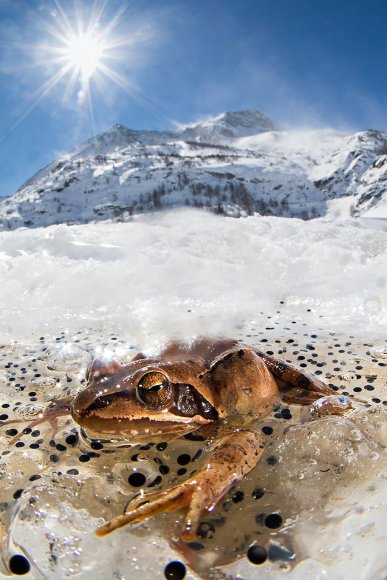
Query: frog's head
(145, 399)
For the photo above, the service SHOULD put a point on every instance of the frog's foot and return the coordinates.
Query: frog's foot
(198, 494)
(52, 412)
(331, 405)
(234, 456)
(177, 498)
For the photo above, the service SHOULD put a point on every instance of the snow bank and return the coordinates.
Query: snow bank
(187, 272)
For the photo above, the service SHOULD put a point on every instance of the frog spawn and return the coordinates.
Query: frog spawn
(63, 484)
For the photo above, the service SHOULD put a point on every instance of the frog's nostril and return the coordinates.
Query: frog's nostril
(99, 403)
(82, 408)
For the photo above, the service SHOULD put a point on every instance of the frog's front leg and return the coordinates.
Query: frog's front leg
(232, 458)
(51, 414)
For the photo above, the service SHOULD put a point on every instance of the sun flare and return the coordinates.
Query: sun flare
(81, 53)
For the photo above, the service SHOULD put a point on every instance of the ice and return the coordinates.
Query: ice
(178, 273)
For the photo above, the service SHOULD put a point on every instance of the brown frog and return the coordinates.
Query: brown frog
(218, 388)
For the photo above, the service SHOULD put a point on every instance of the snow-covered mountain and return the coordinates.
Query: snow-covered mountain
(236, 163)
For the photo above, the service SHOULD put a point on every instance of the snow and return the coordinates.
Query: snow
(189, 272)
(317, 144)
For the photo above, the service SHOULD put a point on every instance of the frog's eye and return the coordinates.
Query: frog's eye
(154, 389)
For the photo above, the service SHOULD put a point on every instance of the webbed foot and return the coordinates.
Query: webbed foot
(331, 405)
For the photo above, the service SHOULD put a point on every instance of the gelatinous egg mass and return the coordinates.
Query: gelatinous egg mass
(56, 478)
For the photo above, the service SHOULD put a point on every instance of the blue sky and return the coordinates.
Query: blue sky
(304, 63)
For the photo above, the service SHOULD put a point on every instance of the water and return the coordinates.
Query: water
(314, 504)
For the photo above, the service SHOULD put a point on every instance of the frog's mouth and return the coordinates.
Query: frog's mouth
(144, 428)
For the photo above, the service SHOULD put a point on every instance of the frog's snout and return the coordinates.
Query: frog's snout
(79, 406)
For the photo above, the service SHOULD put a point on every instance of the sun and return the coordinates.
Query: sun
(80, 51)
(84, 53)
(84, 44)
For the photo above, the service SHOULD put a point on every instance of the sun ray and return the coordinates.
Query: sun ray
(115, 21)
(134, 92)
(64, 21)
(42, 92)
(102, 86)
(96, 15)
(70, 85)
(91, 112)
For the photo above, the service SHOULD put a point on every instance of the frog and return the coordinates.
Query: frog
(216, 389)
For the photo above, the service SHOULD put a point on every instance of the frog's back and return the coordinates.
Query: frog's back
(203, 348)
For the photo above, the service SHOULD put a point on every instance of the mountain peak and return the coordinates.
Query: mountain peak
(232, 124)
(251, 119)
(218, 129)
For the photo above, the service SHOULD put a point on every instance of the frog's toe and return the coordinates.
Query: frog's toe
(140, 499)
(196, 508)
(176, 498)
(331, 405)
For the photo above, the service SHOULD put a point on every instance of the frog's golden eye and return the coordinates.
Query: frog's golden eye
(154, 389)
